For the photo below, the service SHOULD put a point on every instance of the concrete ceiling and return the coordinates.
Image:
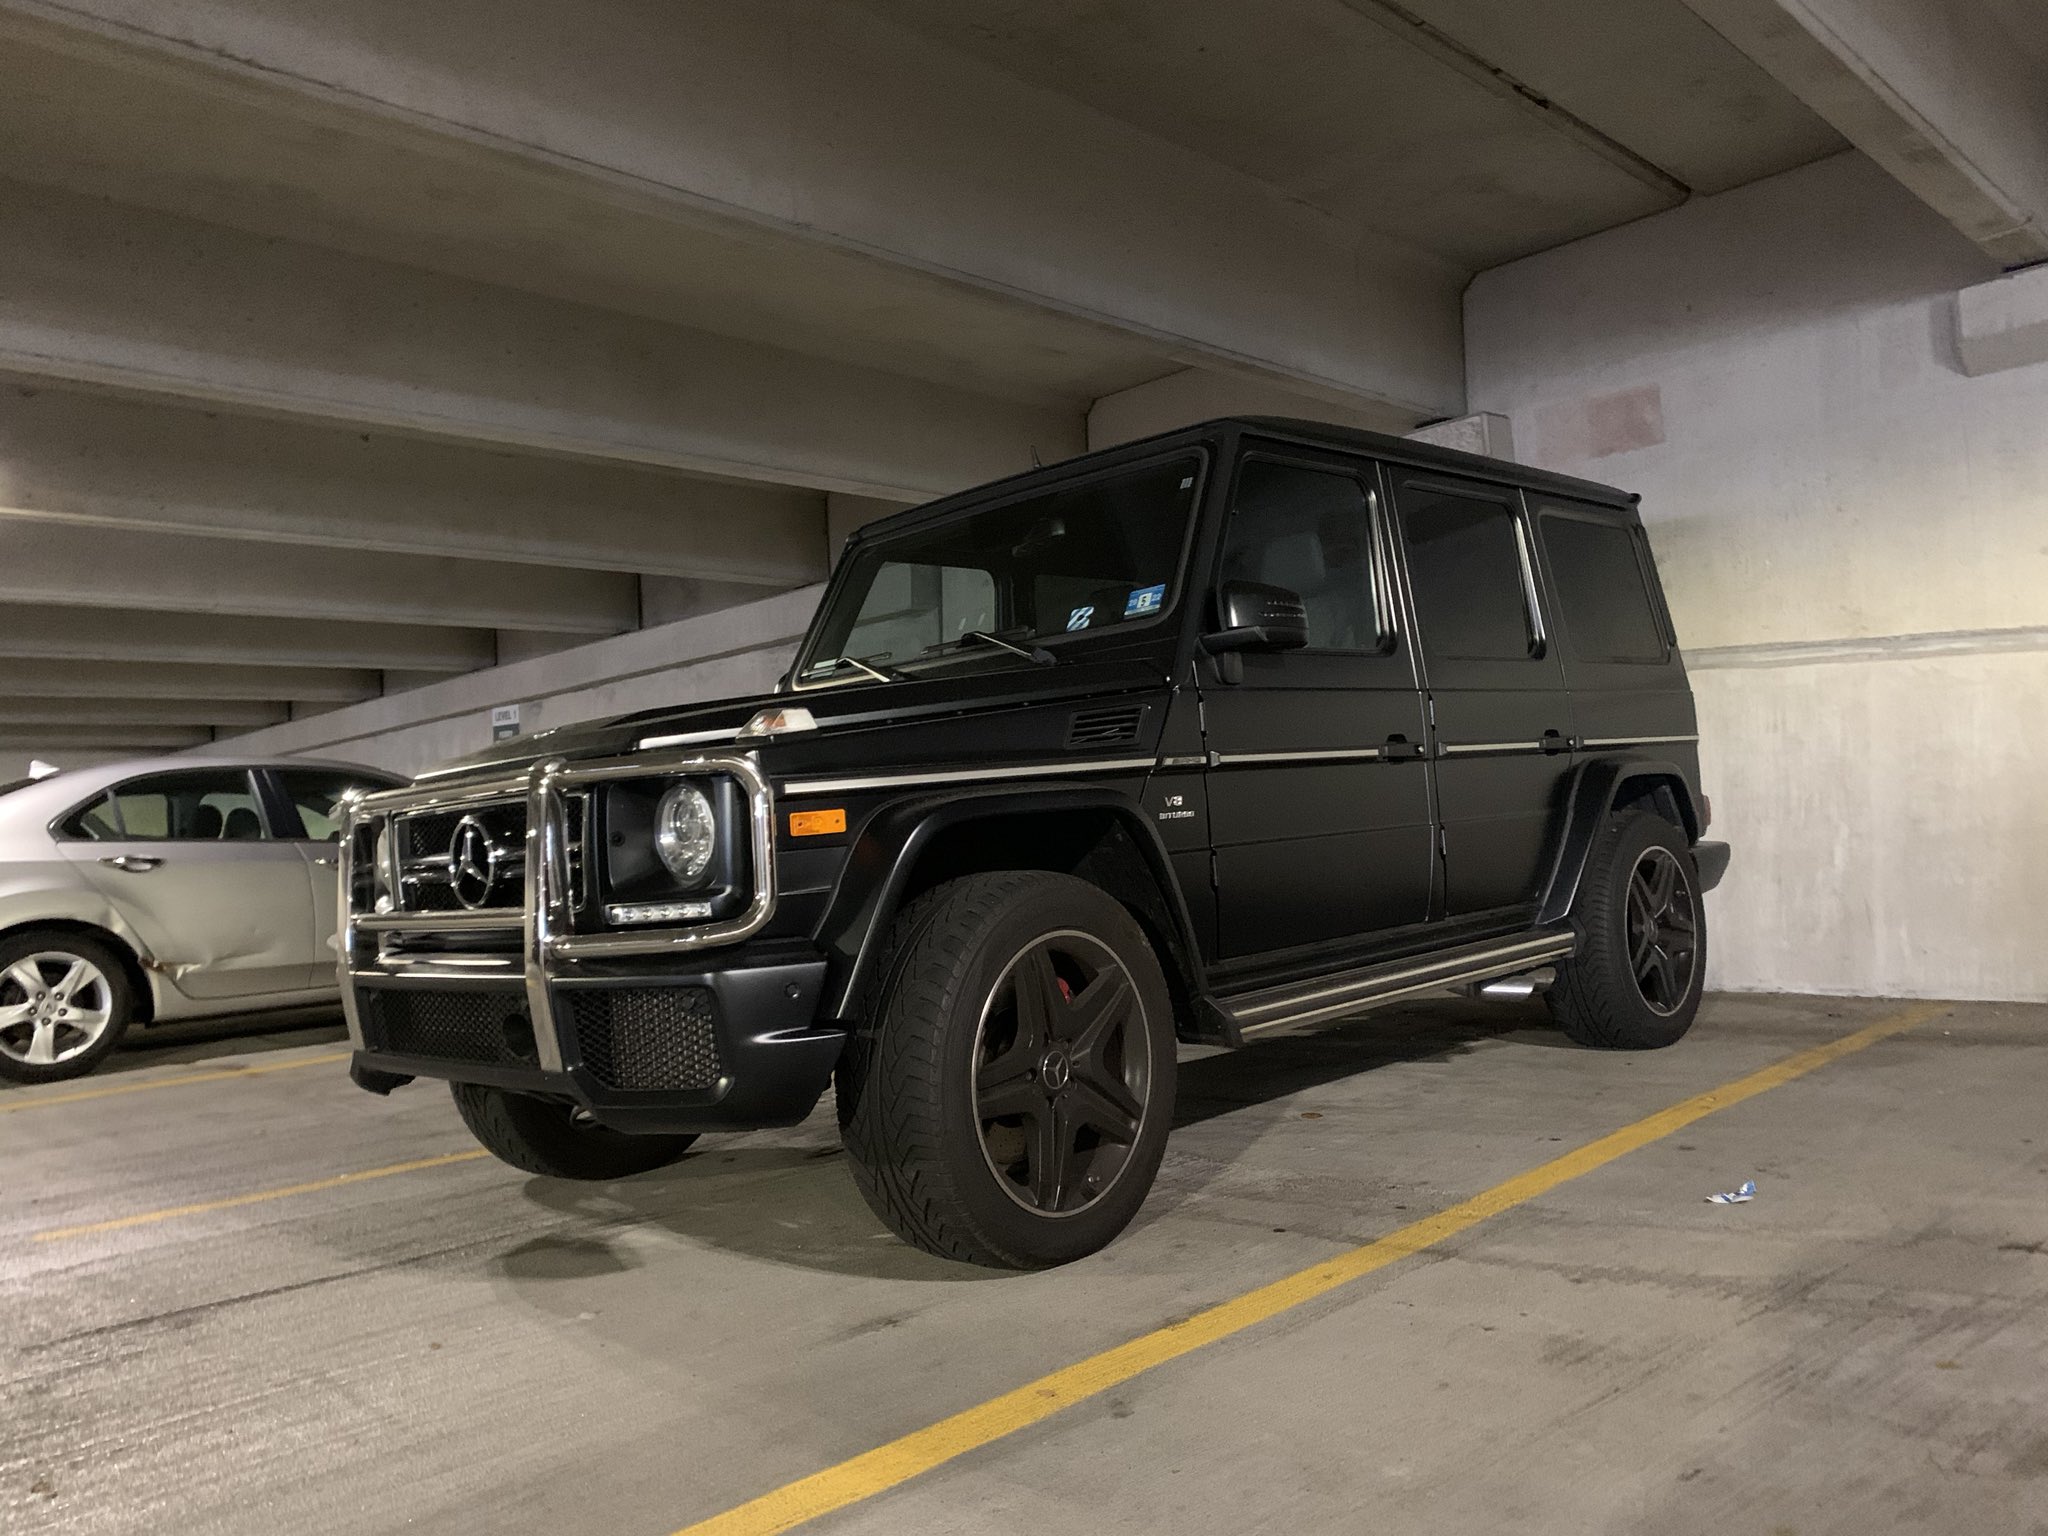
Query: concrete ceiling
(349, 346)
(1479, 129)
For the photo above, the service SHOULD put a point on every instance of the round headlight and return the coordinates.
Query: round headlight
(685, 832)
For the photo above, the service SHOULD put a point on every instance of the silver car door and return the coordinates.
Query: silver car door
(225, 908)
(308, 798)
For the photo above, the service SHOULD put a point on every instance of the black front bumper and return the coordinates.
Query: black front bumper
(731, 1048)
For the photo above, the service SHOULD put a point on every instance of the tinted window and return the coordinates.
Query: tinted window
(193, 805)
(1465, 564)
(1309, 530)
(315, 794)
(1068, 562)
(1601, 594)
(911, 607)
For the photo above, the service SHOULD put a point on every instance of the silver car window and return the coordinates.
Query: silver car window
(190, 805)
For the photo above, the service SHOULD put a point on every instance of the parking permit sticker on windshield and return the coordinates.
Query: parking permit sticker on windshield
(1079, 618)
(1145, 600)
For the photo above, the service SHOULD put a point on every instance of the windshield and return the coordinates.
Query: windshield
(1067, 563)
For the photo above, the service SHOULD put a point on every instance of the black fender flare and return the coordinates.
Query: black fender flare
(1589, 799)
(877, 871)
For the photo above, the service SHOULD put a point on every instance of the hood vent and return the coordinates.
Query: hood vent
(1104, 727)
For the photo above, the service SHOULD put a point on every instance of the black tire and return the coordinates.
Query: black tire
(48, 954)
(550, 1138)
(1635, 982)
(1015, 987)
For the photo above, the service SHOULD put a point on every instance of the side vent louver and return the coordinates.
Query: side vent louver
(1104, 727)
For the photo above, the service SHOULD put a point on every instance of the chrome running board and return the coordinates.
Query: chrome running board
(1354, 991)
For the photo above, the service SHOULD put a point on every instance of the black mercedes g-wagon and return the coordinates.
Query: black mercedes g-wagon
(1232, 730)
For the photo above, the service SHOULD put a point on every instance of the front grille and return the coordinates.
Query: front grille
(426, 844)
(488, 1028)
(647, 1037)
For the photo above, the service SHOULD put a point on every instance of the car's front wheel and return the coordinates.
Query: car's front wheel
(1007, 1098)
(555, 1139)
(65, 1002)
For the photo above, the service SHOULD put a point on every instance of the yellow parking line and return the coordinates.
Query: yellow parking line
(11, 1102)
(876, 1471)
(144, 1218)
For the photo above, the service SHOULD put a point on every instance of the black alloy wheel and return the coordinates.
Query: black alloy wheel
(1007, 1095)
(1663, 931)
(1634, 982)
(1062, 1074)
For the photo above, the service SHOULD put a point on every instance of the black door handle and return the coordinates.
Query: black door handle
(1556, 741)
(1400, 749)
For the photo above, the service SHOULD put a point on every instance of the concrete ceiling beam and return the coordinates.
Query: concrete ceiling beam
(1938, 92)
(98, 742)
(786, 159)
(149, 303)
(130, 463)
(61, 565)
(32, 632)
(19, 713)
(180, 680)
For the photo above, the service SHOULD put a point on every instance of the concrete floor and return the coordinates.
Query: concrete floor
(465, 1349)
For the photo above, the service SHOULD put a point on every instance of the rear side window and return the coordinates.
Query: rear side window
(1466, 567)
(1310, 531)
(202, 805)
(95, 823)
(1602, 594)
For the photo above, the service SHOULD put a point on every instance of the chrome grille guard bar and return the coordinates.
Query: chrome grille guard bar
(544, 917)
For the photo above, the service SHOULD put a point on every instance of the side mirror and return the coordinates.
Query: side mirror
(1257, 617)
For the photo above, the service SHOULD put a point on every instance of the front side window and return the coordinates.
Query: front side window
(1601, 593)
(1068, 563)
(192, 805)
(1310, 531)
(1465, 564)
(315, 796)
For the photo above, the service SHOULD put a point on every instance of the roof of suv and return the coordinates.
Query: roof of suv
(1400, 450)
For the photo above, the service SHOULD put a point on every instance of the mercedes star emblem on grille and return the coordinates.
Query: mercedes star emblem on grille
(472, 863)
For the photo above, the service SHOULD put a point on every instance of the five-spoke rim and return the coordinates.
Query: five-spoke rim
(1663, 931)
(1063, 1074)
(53, 1007)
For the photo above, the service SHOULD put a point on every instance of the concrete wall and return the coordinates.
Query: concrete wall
(1854, 534)
(735, 651)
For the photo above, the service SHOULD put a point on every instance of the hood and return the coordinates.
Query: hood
(858, 723)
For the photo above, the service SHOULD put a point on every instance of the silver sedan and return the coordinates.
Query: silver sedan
(171, 888)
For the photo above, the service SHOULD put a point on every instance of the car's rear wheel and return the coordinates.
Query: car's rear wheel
(1007, 1098)
(555, 1139)
(1636, 980)
(65, 1002)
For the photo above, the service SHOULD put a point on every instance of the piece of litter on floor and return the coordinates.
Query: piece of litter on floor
(1735, 1196)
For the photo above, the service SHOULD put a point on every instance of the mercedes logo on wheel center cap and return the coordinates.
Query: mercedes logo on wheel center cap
(472, 863)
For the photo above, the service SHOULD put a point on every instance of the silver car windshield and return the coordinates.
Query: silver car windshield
(1053, 569)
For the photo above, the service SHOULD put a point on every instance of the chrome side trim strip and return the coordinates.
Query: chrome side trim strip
(685, 739)
(1342, 755)
(1472, 748)
(1371, 988)
(966, 775)
(1638, 741)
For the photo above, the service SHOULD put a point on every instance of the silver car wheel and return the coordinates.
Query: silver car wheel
(53, 1006)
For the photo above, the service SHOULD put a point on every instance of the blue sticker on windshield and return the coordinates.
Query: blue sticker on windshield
(1079, 618)
(1145, 600)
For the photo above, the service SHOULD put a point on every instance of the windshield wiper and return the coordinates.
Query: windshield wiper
(1036, 653)
(881, 674)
